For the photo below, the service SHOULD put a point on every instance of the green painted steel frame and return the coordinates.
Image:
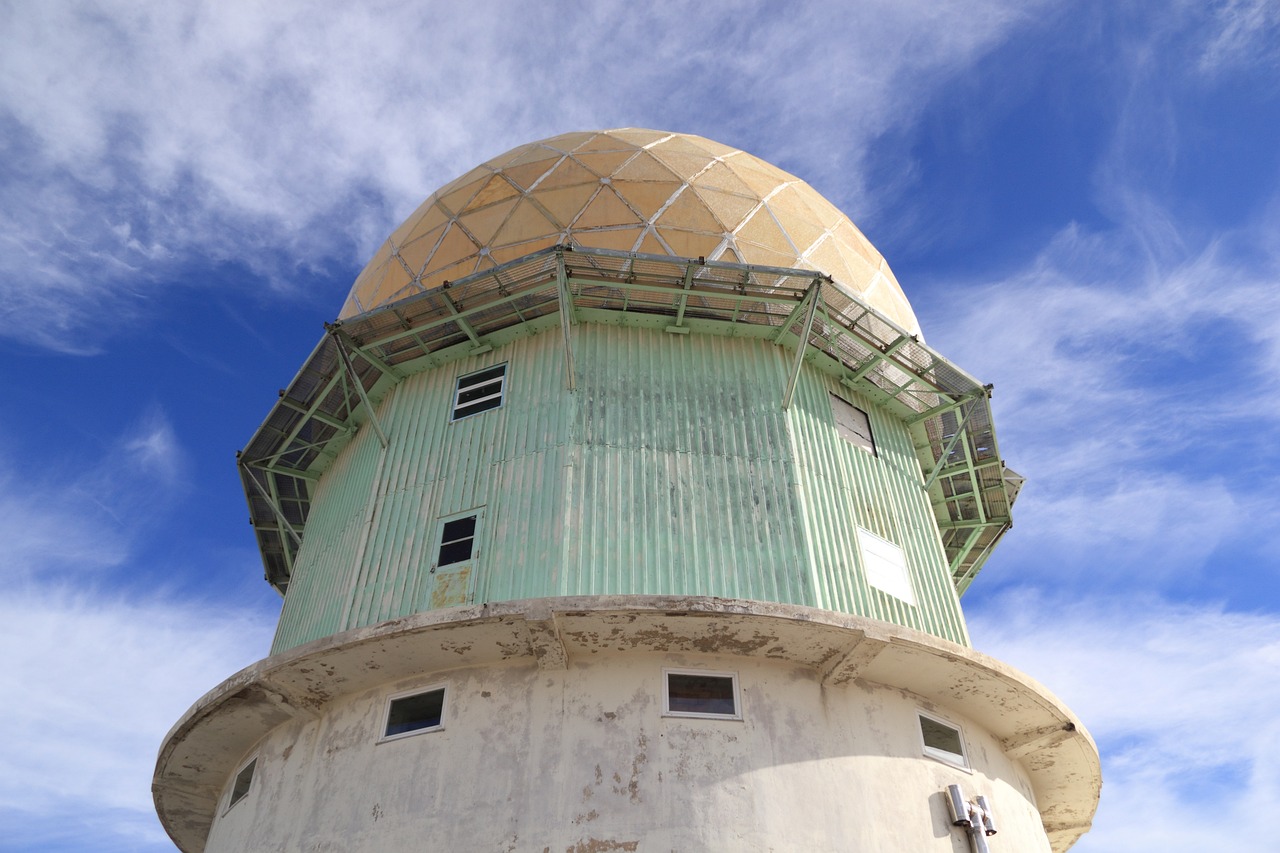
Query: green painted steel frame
(361, 358)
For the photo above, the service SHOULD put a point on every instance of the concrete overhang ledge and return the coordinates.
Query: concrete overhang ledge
(202, 749)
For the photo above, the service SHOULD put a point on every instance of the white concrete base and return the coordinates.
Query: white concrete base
(554, 738)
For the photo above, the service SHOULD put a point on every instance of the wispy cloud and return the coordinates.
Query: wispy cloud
(290, 135)
(1181, 699)
(1129, 384)
(84, 514)
(89, 684)
(1243, 33)
(93, 672)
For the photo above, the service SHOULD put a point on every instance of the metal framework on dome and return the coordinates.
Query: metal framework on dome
(361, 358)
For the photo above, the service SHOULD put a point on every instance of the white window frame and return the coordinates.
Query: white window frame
(866, 442)
(667, 672)
(478, 515)
(232, 800)
(894, 576)
(405, 694)
(500, 395)
(960, 761)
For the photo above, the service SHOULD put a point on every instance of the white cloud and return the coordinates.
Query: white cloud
(90, 678)
(1181, 700)
(89, 684)
(1243, 32)
(1133, 373)
(291, 134)
(81, 515)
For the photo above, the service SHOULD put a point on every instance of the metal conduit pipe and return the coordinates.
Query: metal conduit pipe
(976, 818)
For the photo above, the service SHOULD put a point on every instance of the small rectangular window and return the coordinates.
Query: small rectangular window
(457, 541)
(479, 392)
(886, 566)
(853, 424)
(243, 782)
(696, 693)
(943, 741)
(421, 711)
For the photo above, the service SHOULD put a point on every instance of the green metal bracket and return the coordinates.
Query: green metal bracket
(275, 507)
(802, 344)
(950, 446)
(352, 346)
(460, 319)
(684, 297)
(567, 317)
(355, 379)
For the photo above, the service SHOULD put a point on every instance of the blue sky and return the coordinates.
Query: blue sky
(1081, 199)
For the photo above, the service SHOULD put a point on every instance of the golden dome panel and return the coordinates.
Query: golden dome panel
(632, 190)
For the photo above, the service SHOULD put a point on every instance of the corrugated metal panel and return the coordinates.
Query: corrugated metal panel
(842, 486)
(319, 595)
(670, 469)
(681, 482)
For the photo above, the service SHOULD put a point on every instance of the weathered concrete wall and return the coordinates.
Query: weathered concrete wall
(582, 759)
(543, 690)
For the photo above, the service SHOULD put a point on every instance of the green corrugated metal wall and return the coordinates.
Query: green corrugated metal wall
(670, 469)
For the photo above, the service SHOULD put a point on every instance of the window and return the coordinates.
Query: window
(479, 392)
(886, 566)
(244, 780)
(420, 711)
(695, 693)
(943, 741)
(853, 424)
(457, 541)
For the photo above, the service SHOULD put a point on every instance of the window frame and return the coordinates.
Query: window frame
(475, 514)
(667, 672)
(405, 694)
(860, 534)
(459, 387)
(865, 443)
(959, 761)
(232, 800)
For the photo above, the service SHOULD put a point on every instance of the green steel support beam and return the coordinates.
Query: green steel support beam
(567, 316)
(384, 368)
(795, 314)
(882, 355)
(460, 319)
(294, 405)
(955, 403)
(962, 583)
(684, 297)
(412, 332)
(969, 542)
(285, 471)
(270, 459)
(288, 438)
(950, 446)
(563, 293)
(355, 380)
(739, 293)
(275, 507)
(801, 346)
(967, 525)
(964, 468)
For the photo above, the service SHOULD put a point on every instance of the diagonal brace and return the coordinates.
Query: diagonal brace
(567, 316)
(274, 507)
(802, 345)
(795, 314)
(951, 445)
(355, 380)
